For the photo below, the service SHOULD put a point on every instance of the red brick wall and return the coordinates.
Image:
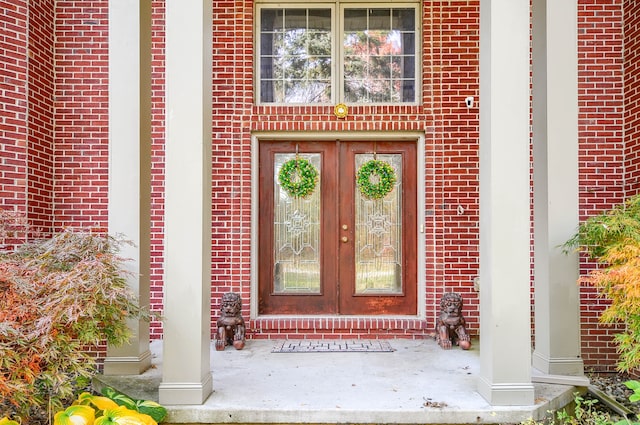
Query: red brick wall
(81, 108)
(81, 131)
(13, 97)
(632, 96)
(601, 155)
(40, 110)
(231, 157)
(451, 40)
(26, 128)
(80, 157)
(157, 162)
(450, 73)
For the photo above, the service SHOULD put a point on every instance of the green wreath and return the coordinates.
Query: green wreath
(376, 179)
(298, 177)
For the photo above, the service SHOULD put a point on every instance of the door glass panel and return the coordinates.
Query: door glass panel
(378, 232)
(296, 234)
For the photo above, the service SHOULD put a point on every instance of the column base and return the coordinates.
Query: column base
(511, 394)
(185, 393)
(127, 365)
(558, 365)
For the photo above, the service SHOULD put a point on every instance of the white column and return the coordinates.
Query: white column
(130, 165)
(555, 170)
(186, 375)
(505, 323)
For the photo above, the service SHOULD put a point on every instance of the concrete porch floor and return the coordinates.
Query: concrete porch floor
(418, 383)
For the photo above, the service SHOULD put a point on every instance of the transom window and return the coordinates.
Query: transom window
(320, 54)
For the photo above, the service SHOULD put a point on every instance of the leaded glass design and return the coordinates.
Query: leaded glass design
(296, 234)
(378, 231)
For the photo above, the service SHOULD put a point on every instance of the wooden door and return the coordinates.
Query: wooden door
(335, 250)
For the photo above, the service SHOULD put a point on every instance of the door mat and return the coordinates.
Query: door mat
(332, 346)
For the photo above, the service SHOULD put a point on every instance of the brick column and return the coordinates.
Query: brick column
(505, 323)
(555, 171)
(130, 164)
(186, 375)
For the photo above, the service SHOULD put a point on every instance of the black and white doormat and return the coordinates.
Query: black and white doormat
(333, 346)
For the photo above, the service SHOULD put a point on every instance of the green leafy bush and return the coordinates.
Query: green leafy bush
(58, 298)
(587, 412)
(584, 412)
(147, 407)
(602, 233)
(613, 240)
(91, 409)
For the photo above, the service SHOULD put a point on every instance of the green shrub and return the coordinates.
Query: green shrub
(613, 240)
(584, 412)
(89, 409)
(156, 411)
(599, 234)
(58, 298)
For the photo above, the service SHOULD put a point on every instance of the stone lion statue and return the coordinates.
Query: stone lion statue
(450, 326)
(231, 328)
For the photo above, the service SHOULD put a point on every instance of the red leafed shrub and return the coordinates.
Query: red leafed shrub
(58, 296)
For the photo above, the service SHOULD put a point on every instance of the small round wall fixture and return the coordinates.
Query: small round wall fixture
(341, 110)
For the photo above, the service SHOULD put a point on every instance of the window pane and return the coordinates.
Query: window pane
(319, 44)
(320, 19)
(409, 89)
(409, 43)
(404, 19)
(379, 55)
(379, 19)
(403, 67)
(355, 19)
(295, 19)
(304, 91)
(295, 55)
(271, 20)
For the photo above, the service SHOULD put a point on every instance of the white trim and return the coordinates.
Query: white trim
(255, 215)
(506, 394)
(421, 217)
(186, 393)
(129, 167)
(415, 136)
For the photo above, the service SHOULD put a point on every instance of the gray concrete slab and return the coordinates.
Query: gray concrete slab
(418, 383)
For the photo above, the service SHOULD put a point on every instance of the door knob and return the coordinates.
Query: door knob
(344, 239)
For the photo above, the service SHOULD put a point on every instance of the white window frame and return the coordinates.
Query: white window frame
(337, 50)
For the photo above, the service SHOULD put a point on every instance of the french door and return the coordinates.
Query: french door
(335, 250)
